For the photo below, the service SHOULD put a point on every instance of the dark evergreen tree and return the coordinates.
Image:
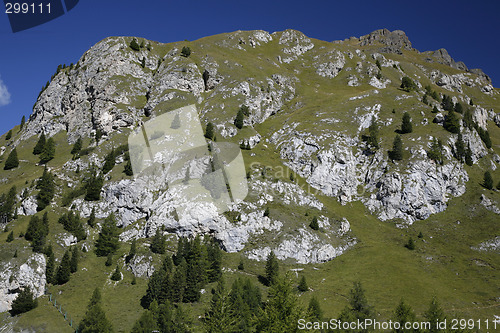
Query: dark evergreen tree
(219, 317)
(91, 220)
(245, 302)
(452, 123)
(37, 232)
(77, 147)
(8, 205)
(24, 302)
(488, 180)
(267, 212)
(468, 120)
(377, 62)
(179, 281)
(46, 185)
(9, 135)
(182, 250)
(314, 223)
(50, 266)
(458, 107)
(396, 154)
(145, 324)
(186, 51)
(72, 223)
(238, 122)
(93, 186)
(407, 84)
(303, 287)
(158, 242)
(196, 271)
(245, 109)
(23, 122)
(116, 276)
(241, 265)
(436, 151)
(132, 252)
(282, 309)
(434, 315)
(127, 169)
(134, 45)
(37, 150)
(406, 125)
(272, 269)
(460, 148)
(484, 134)
(410, 245)
(358, 308)
(109, 260)
(209, 131)
(95, 320)
(214, 260)
(12, 161)
(435, 109)
(447, 103)
(109, 162)
(404, 314)
(48, 152)
(64, 270)
(373, 134)
(108, 241)
(74, 259)
(314, 309)
(143, 62)
(10, 237)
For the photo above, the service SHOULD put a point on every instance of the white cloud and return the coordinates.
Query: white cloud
(4, 94)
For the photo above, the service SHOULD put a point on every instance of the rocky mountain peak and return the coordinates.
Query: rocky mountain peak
(395, 41)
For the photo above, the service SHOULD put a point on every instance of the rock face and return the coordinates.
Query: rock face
(489, 205)
(30, 274)
(395, 41)
(141, 266)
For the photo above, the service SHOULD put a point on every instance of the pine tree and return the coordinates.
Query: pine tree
(12, 161)
(266, 211)
(245, 301)
(396, 154)
(176, 122)
(158, 242)
(48, 152)
(214, 259)
(145, 324)
(303, 287)
(458, 107)
(9, 135)
(186, 51)
(282, 309)
(93, 186)
(179, 281)
(109, 162)
(484, 134)
(50, 267)
(37, 150)
(10, 237)
(196, 271)
(436, 151)
(434, 315)
(95, 319)
(134, 45)
(241, 265)
(25, 301)
(358, 308)
(435, 109)
(8, 204)
(238, 122)
(373, 132)
(452, 123)
(74, 260)
(407, 84)
(314, 223)
(404, 314)
(410, 245)
(209, 131)
(108, 241)
(272, 269)
(447, 103)
(406, 125)
(219, 317)
(127, 169)
(132, 252)
(460, 148)
(488, 180)
(468, 120)
(116, 276)
(23, 122)
(77, 147)
(143, 62)
(47, 187)
(64, 270)
(109, 260)
(91, 220)
(314, 309)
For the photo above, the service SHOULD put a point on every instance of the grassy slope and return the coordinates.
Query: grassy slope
(443, 263)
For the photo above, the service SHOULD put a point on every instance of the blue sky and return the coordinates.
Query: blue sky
(467, 29)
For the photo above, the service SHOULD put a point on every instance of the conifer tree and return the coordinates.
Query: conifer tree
(64, 270)
(186, 51)
(146, 323)
(132, 252)
(12, 161)
(447, 103)
(209, 131)
(435, 109)
(314, 309)
(116, 276)
(266, 212)
(51, 265)
(406, 125)
(10, 237)
(48, 152)
(396, 154)
(303, 287)
(407, 84)
(436, 151)
(8, 204)
(74, 260)
(25, 301)
(47, 187)
(238, 122)
(37, 150)
(93, 186)
(91, 220)
(452, 123)
(458, 107)
(108, 241)
(109, 260)
(468, 120)
(158, 242)
(488, 180)
(214, 258)
(134, 45)
(127, 169)
(373, 132)
(245, 301)
(434, 315)
(196, 271)
(358, 308)
(272, 269)
(9, 135)
(460, 148)
(77, 147)
(410, 245)
(219, 317)
(23, 122)
(179, 281)
(95, 319)
(404, 314)
(485, 137)
(314, 223)
(109, 162)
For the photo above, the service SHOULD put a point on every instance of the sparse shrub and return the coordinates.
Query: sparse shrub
(407, 84)
(116, 276)
(186, 51)
(410, 245)
(10, 237)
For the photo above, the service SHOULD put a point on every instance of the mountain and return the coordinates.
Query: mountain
(320, 120)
